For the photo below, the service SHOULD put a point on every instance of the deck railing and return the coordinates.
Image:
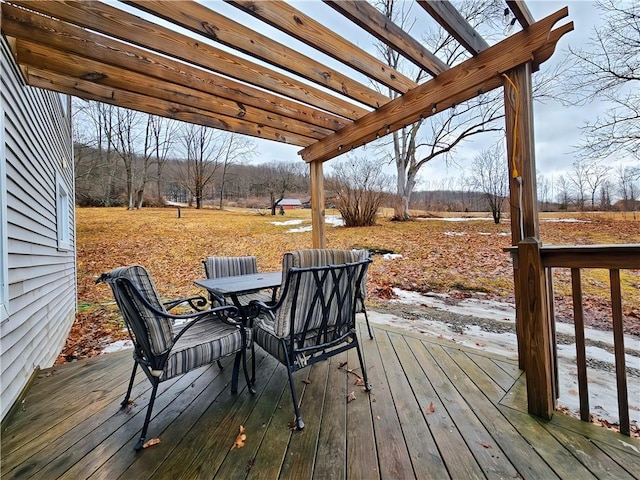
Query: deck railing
(535, 264)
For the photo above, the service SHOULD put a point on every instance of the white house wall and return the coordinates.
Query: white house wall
(41, 276)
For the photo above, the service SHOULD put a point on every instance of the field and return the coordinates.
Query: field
(449, 255)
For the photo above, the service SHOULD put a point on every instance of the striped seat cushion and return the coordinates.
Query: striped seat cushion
(192, 351)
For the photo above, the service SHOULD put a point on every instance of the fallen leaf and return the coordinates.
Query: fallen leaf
(151, 443)
(306, 381)
(359, 381)
(239, 442)
(485, 445)
(342, 364)
(250, 464)
(430, 409)
(351, 397)
(480, 344)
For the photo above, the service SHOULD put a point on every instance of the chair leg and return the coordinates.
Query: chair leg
(125, 402)
(367, 385)
(246, 372)
(234, 374)
(253, 363)
(147, 418)
(366, 317)
(294, 396)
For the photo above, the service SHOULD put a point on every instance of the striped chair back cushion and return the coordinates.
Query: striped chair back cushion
(149, 328)
(296, 307)
(215, 267)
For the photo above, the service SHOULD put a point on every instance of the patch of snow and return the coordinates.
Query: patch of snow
(335, 220)
(288, 222)
(490, 309)
(455, 234)
(391, 256)
(117, 346)
(564, 220)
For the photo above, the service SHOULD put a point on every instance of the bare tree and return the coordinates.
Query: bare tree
(237, 149)
(490, 176)
(564, 192)
(124, 137)
(359, 184)
(276, 179)
(163, 131)
(577, 180)
(597, 177)
(202, 147)
(608, 68)
(95, 164)
(439, 135)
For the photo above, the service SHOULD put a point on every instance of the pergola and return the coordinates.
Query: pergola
(95, 51)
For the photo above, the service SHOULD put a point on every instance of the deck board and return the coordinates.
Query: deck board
(437, 410)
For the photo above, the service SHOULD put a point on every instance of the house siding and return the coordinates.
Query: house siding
(41, 277)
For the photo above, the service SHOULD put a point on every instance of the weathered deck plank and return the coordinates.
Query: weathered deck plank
(478, 426)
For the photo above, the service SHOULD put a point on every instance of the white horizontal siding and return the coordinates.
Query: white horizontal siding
(41, 277)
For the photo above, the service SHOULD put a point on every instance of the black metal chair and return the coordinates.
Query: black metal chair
(314, 318)
(167, 345)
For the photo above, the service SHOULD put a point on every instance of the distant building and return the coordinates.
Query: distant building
(289, 203)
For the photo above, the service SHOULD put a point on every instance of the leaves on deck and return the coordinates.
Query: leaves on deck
(151, 443)
(240, 439)
(485, 445)
(351, 397)
(430, 409)
(307, 381)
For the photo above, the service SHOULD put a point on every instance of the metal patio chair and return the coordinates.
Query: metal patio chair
(314, 317)
(215, 267)
(167, 345)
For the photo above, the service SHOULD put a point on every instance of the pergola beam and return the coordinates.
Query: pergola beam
(287, 19)
(78, 41)
(460, 83)
(453, 22)
(130, 28)
(45, 58)
(92, 91)
(208, 23)
(367, 17)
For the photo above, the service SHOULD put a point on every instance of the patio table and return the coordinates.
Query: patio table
(234, 286)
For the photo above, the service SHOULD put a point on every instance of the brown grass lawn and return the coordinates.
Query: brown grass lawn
(436, 255)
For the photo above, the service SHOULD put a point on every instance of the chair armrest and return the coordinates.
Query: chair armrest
(197, 302)
(256, 307)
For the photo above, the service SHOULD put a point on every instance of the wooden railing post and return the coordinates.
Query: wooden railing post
(538, 359)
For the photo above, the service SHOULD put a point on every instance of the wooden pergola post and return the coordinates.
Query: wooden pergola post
(316, 177)
(533, 326)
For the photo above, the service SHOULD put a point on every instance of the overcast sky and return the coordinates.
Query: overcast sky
(556, 127)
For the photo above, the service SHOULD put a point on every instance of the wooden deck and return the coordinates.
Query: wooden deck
(436, 411)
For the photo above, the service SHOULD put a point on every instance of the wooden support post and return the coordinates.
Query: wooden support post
(523, 200)
(538, 358)
(317, 204)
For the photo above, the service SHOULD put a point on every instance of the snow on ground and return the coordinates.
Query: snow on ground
(118, 346)
(288, 222)
(600, 373)
(455, 219)
(335, 220)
